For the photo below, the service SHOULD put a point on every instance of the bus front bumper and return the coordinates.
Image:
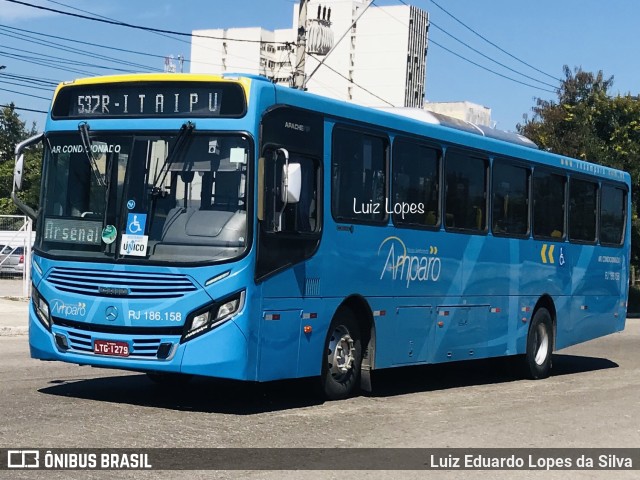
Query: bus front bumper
(221, 353)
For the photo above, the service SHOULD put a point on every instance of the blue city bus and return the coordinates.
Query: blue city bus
(227, 227)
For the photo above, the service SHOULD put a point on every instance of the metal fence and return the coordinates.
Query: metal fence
(16, 240)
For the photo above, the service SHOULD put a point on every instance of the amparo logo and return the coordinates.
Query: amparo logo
(58, 307)
(409, 265)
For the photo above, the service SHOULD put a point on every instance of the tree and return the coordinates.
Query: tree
(588, 123)
(12, 132)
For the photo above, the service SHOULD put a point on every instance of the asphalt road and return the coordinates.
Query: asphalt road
(592, 400)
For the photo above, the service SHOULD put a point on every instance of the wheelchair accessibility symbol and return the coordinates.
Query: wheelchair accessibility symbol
(561, 260)
(136, 223)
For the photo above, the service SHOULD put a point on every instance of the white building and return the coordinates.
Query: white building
(380, 61)
(467, 111)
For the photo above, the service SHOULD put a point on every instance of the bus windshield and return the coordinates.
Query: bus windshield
(178, 198)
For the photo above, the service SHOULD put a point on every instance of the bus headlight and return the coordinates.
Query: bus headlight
(202, 321)
(41, 308)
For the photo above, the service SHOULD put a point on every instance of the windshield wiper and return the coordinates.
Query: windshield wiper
(181, 140)
(83, 128)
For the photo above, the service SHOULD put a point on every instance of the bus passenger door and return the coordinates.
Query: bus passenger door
(412, 333)
(289, 229)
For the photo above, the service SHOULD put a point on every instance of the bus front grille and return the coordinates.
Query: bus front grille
(104, 283)
(158, 344)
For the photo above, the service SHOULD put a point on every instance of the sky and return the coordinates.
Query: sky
(545, 34)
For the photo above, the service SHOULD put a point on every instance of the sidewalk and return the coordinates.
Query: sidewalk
(14, 316)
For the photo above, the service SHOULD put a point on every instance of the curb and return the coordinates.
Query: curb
(13, 331)
(14, 298)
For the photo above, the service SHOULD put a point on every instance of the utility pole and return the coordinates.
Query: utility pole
(298, 74)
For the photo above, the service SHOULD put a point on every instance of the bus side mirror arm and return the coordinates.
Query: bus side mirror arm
(18, 170)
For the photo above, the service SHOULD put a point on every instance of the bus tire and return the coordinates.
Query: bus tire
(537, 360)
(342, 356)
(169, 379)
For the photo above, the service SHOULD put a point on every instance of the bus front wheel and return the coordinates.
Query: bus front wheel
(537, 360)
(342, 357)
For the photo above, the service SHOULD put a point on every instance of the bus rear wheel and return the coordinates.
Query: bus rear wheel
(342, 357)
(537, 360)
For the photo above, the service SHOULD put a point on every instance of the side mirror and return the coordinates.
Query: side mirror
(17, 173)
(291, 182)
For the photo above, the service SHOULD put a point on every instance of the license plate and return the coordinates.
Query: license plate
(113, 348)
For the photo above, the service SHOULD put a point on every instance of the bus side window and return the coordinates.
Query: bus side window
(583, 207)
(510, 202)
(416, 184)
(466, 192)
(358, 184)
(548, 205)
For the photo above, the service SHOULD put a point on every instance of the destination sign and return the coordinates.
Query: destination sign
(69, 230)
(150, 99)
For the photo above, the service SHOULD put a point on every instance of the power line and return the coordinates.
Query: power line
(42, 81)
(70, 61)
(490, 70)
(25, 94)
(12, 106)
(45, 63)
(351, 81)
(131, 25)
(113, 19)
(97, 45)
(67, 39)
(490, 42)
(18, 84)
(60, 46)
(483, 55)
(489, 58)
(177, 39)
(353, 24)
(186, 60)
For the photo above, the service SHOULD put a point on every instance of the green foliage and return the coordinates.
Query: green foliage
(634, 301)
(12, 132)
(588, 123)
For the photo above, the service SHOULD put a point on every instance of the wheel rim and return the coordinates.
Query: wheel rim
(542, 344)
(341, 353)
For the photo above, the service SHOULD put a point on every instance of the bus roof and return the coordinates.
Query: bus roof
(495, 142)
